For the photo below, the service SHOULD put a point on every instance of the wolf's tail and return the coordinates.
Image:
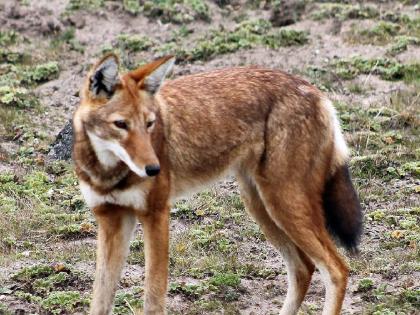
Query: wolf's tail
(343, 212)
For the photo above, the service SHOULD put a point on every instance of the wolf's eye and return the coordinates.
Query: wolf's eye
(121, 124)
(149, 124)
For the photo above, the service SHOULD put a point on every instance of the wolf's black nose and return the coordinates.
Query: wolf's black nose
(152, 170)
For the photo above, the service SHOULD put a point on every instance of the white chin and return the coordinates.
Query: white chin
(110, 153)
(125, 157)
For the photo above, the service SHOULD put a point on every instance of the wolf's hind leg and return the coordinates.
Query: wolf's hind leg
(299, 267)
(115, 228)
(301, 218)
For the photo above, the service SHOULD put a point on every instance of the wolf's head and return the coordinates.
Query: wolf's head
(118, 113)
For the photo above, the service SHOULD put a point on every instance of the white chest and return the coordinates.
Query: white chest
(133, 197)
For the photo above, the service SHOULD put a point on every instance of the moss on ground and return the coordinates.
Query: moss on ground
(224, 286)
(49, 202)
(19, 74)
(84, 4)
(382, 33)
(9, 37)
(344, 11)
(170, 11)
(386, 69)
(134, 43)
(126, 301)
(132, 6)
(66, 40)
(389, 30)
(47, 285)
(19, 97)
(67, 301)
(384, 138)
(244, 36)
(401, 43)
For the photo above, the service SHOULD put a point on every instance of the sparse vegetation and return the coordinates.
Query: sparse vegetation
(134, 43)
(127, 301)
(219, 257)
(132, 6)
(8, 37)
(171, 11)
(400, 33)
(68, 301)
(344, 11)
(365, 285)
(246, 35)
(387, 69)
(401, 44)
(41, 73)
(84, 4)
(16, 96)
(381, 33)
(45, 284)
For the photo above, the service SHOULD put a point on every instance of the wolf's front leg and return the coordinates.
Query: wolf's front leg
(156, 241)
(115, 228)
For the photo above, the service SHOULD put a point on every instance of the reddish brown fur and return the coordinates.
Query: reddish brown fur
(268, 127)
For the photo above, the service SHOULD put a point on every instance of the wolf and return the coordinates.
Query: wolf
(141, 142)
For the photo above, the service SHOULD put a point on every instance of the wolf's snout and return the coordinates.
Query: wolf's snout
(152, 170)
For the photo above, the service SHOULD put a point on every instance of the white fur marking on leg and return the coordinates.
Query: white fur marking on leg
(108, 272)
(330, 291)
(290, 304)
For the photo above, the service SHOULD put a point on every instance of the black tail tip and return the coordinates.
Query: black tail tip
(343, 212)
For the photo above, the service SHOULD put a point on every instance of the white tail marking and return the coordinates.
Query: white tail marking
(341, 150)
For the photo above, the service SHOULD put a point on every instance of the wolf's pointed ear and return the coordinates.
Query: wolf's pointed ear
(104, 77)
(151, 76)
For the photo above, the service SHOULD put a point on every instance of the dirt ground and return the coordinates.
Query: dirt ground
(364, 56)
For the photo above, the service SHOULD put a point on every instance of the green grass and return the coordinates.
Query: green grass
(134, 43)
(385, 68)
(47, 285)
(41, 73)
(172, 11)
(344, 11)
(46, 235)
(401, 43)
(19, 74)
(244, 36)
(384, 138)
(399, 32)
(84, 4)
(125, 301)
(11, 56)
(49, 203)
(19, 97)
(365, 284)
(132, 6)
(8, 38)
(66, 40)
(68, 301)
(382, 33)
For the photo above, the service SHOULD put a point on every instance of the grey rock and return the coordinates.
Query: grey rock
(62, 147)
